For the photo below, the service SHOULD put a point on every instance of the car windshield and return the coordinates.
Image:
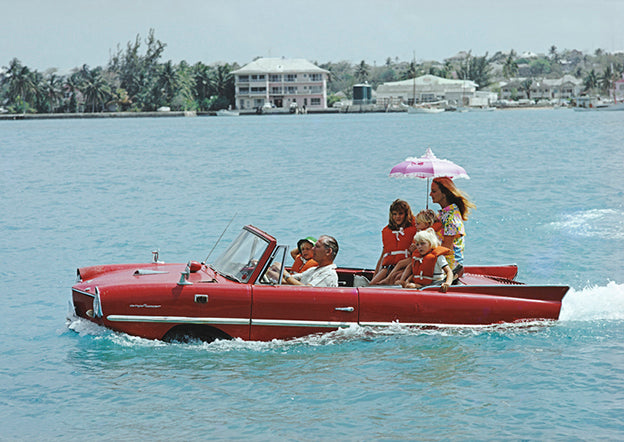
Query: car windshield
(240, 259)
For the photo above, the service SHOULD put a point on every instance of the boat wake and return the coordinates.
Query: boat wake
(602, 223)
(594, 303)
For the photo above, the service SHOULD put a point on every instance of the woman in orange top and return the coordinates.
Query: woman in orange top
(396, 237)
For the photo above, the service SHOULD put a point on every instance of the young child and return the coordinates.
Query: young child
(396, 238)
(427, 218)
(303, 255)
(428, 263)
(423, 220)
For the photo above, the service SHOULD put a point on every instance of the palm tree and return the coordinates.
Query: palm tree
(52, 91)
(166, 84)
(201, 81)
(361, 72)
(71, 87)
(554, 56)
(222, 83)
(606, 80)
(590, 81)
(22, 85)
(476, 69)
(526, 86)
(480, 71)
(184, 97)
(94, 88)
(510, 68)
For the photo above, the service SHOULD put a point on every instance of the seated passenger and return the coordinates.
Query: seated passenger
(303, 255)
(424, 219)
(396, 238)
(324, 275)
(429, 265)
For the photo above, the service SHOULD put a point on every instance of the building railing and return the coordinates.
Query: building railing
(299, 93)
(285, 79)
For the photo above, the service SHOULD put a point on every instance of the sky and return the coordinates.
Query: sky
(65, 34)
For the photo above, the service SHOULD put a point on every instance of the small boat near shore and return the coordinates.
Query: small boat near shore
(424, 110)
(602, 107)
(227, 113)
(431, 107)
(235, 298)
(590, 104)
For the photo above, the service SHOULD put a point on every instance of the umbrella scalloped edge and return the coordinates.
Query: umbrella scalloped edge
(424, 177)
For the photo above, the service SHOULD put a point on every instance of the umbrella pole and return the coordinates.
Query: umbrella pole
(427, 195)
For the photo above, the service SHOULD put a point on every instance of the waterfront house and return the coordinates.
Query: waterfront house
(281, 83)
(562, 88)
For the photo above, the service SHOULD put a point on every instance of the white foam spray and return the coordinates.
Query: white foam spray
(594, 303)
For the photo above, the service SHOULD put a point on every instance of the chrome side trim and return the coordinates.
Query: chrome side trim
(139, 272)
(421, 324)
(229, 321)
(177, 319)
(276, 322)
(82, 292)
(298, 323)
(97, 304)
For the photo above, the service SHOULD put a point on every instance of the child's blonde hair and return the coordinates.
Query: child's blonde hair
(427, 235)
(427, 217)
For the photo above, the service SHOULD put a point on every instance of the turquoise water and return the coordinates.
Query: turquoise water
(549, 192)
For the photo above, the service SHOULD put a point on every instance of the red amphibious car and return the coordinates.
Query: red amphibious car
(233, 298)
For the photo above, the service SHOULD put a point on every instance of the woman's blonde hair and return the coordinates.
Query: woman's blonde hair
(454, 195)
(429, 236)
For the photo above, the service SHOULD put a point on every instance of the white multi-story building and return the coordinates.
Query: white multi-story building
(281, 83)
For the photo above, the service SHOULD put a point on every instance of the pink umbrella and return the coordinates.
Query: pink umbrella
(427, 166)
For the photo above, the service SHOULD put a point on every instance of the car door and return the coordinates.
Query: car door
(286, 311)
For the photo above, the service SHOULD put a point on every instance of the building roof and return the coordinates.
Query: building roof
(265, 65)
(550, 82)
(428, 82)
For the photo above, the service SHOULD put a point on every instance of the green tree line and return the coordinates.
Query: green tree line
(598, 71)
(135, 78)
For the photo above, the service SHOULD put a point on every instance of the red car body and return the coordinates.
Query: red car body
(234, 298)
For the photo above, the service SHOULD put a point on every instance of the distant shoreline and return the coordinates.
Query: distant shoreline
(354, 109)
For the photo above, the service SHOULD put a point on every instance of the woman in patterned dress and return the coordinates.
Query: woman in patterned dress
(454, 209)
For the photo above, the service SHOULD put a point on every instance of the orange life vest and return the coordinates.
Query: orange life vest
(422, 267)
(300, 266)
(396, 244)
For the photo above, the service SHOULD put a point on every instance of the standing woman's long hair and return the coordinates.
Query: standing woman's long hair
(454, 195)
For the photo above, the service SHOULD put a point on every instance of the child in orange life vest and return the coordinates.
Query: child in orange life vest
(303, 259)
(423, 220)
(428, 263)
(396, 238)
